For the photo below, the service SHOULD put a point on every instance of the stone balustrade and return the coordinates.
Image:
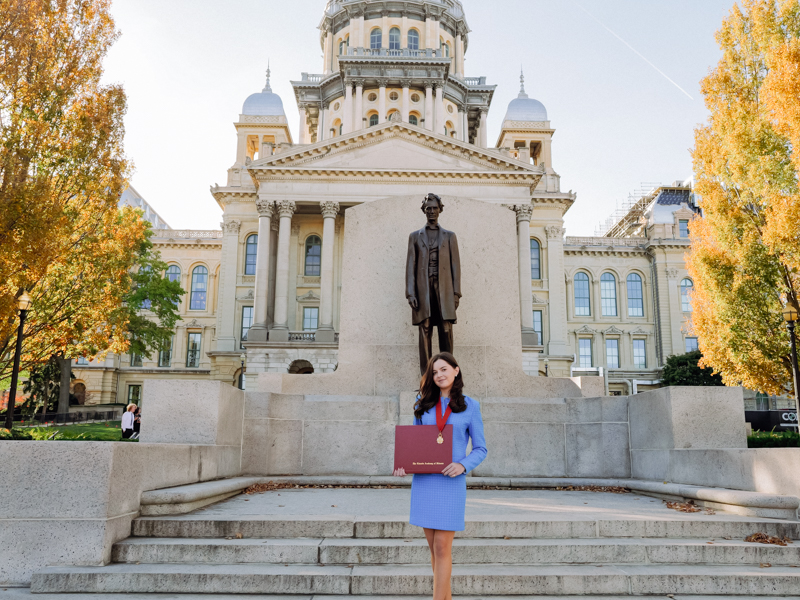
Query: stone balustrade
(605, 241)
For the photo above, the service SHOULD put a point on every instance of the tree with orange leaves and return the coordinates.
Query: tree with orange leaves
(745, 257)
(62, 171)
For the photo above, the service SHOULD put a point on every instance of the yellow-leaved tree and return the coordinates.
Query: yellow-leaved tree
(745, 257)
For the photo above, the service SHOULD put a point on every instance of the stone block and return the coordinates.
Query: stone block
(255, 448)
(650, 464)
(679, 417)
(192, 412)
(606, 409)
(348, 448)
(284, 447)
(524, 450)
(524, 410)
(598, 450)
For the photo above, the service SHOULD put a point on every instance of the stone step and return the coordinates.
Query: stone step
(25, 594)
(403, 580)
(695, 526)
(465, 551)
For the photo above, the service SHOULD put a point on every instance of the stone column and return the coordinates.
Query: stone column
(429, 106)
(382, 102)
(348, 108)
(358, 118)
(439, 110)
(458, 52)
(524, 212)
(280, 330)
(303, 137)
(405, 110)
(385, 30)
(325, 332)
(484, 130)
(466, 124)
(258, 331)
(462, 134)
(322, 134)
(328, 52)
(226, 313)
(558, 289)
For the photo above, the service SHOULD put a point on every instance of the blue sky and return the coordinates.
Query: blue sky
(188, 65)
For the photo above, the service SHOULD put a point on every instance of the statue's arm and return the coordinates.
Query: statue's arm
(455, 265)
(411, 265)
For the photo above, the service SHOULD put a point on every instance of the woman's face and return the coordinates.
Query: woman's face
(443, 374)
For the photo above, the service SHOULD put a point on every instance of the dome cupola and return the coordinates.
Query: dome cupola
(265, 103)
(523, 108)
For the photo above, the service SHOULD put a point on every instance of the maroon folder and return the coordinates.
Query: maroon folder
(417, 451)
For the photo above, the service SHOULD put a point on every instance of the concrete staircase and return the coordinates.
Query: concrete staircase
(618, 557)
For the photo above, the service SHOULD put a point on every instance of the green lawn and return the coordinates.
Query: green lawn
(97, 432)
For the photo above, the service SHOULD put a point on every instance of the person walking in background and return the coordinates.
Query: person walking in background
(127, 422)
(438, 502)
(137, 423)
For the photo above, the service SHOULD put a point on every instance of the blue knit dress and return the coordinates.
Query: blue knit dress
(438, 501)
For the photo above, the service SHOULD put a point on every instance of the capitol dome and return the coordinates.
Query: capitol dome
(524, 108)
(264, 104)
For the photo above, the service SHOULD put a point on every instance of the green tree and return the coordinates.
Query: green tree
(684, 369)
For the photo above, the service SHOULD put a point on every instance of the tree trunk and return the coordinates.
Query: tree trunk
(65, 364)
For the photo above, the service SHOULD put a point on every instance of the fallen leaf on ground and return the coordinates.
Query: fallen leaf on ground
(686, 507)
(506, 538)
(764, 566)
(239, 536)
(763, 538)
(594, 488)
(710, 511)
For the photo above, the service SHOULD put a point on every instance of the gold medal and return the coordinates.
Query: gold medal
(440, 439)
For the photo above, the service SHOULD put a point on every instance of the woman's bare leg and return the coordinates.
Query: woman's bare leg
(429, 535)
(443, 564)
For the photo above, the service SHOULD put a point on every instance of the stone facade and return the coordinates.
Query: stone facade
(393, 115)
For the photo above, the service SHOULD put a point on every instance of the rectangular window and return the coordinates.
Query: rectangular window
(310, 319)
(165, 355)
(683, 226)
(136, 360)
(82, 361)
(537, 325)
(692, 345)
(639, 354)
(247, 323)
(612, 354)
(134, 394)
(193, 350)
(585, 354)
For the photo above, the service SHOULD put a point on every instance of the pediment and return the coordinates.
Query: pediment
(396, 147)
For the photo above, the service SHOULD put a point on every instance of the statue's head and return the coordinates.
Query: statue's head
(432, 206)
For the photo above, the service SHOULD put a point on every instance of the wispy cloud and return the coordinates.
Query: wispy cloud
(639, 54)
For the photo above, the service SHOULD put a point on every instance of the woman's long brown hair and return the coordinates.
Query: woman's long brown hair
(429, 392)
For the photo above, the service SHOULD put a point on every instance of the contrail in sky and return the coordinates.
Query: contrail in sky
(642, 56)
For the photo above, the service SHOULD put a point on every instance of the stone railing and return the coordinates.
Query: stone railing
(401, 53)
(605, 241)
(185, 234)
(310, 78)
(475, 81)
(302, 336)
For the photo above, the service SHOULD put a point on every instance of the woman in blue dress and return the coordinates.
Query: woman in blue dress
(438, 501)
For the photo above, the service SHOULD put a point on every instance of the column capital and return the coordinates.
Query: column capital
(484, 111)
(554, 232)
(231, 226)
(286, 208)
(405, 83)
(524, 212)
(359, 83)
(265, 207)
(428, 85)
(439, 86)
(382, 84)
(329, 209)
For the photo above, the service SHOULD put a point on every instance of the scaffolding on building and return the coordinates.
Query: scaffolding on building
(625, 220)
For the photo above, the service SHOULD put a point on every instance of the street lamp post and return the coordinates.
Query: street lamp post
(243, 358)
(24, 303)
(547, 367)
(790, 316)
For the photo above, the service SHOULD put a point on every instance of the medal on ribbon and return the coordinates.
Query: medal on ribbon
(441, 422)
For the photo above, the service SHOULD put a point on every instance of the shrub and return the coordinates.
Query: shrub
(14, 434)
(774, 439)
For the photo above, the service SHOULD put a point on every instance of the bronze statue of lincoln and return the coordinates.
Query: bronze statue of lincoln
(433, 280)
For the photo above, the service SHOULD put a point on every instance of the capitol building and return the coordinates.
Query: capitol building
(392, 112)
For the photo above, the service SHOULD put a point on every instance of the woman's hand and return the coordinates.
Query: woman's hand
(401, 472)
(454, 470)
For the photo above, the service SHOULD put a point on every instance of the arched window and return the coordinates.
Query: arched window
(686, 295)
(635, 296)
(174, 273)
(536, 260)
(341, 47)
(199, 289)
(583, 306)
(373, 120)
(250, 255)
(412, 119)
(376, 39)
(394, 39)
(313, 256)
(445, 48)
(608, 294)
(413, 39)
